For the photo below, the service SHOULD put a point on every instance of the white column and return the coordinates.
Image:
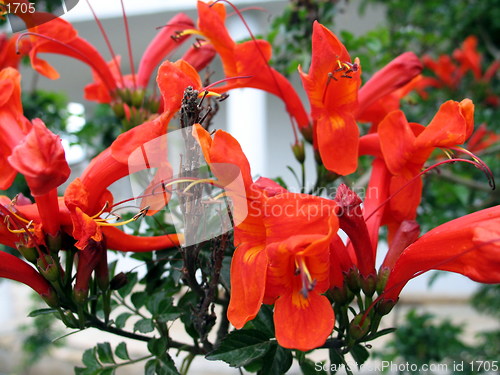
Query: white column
(246, 108)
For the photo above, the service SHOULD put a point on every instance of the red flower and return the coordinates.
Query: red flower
(14, 268)
(407, 146)
(469, 245)
(332, 87)
(13, 126)
(382, 93)
(59, 36)
(275, 261)
(8, 54)
(468, 57)
(246, 63)
(299, 233)
(249, 263)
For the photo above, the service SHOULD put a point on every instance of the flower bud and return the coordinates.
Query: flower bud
(299, 151)
(307, 133)
(359, 326)
(119, 281)
(51, 299)
(80, 295)
(384, 306)
(137, 98)
(368, 284)
(29, 253)
(383, 276)
(352, 280)
(48, 267)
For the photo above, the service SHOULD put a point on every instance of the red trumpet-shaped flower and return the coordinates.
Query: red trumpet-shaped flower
(246, 63)
(299, 232)
(407, 146)
(59, 36)
(13, 125)
(40, 158)
(249, 264)
(382, 93)
(8, 55)
(14, 268)
(332, 87)
(469, 245)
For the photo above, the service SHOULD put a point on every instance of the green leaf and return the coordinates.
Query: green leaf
(122, 319)
(277, 361)
(263, 322)
(336, 359)
(309, 367)
(107, 371)
(41, 312)
(127, 288)
(382, 332)
(139, 299)
(360, 354)
(225, 278)
(144, 326)
(157, 346)
(105, 353)
(89, 359)
(166, 365)
(158, 303)
(172, 313)
(150, 367)
(122, 352)
(239, 348)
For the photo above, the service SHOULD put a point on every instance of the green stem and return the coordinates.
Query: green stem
(303, 176)
(69, 268)
(106, 305)
(186, 364)
(132, 361)
(131, 308)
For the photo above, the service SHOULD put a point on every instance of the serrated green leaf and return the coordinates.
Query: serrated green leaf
(360, 354)
(172, 313)
(157, 346)
(127, 288)
(105, 353)
(239, 348)
(139, 299)
(158, 303)
(166, 365)
(144, 326)
(41, 312)
(122, 352)
(277, 361)
(121, 319)
(89, 359)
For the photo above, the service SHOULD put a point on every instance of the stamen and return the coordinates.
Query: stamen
(308, 283)
(179, 34)
(106, 205)
(262, 55)
(103, 223)
(74, 50)
(481, 166)
(201, 181)
(129, 45)
(106, 40)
